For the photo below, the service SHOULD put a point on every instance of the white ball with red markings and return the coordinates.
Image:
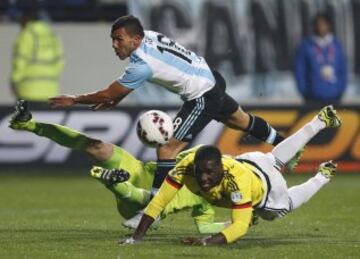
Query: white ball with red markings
(155, 128)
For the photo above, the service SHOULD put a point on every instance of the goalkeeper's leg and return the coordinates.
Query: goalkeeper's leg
(129, 199)
(132, 195)
(204, 215)
(106, 154)
(202, 212)
(61, 135)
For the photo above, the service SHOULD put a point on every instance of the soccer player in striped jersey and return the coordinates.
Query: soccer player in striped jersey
(250, 183)
(157, 59)
(128, 178)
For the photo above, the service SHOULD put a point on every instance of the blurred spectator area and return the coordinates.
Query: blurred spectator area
(69, 10)
(251, 42)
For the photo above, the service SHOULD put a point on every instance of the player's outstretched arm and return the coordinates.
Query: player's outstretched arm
(166, 193)
(140, 231)
(105, 98)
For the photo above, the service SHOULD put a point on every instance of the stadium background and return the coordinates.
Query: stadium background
(49, 209)
(251, 42)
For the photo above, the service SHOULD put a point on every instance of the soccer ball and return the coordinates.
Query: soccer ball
(154, 128)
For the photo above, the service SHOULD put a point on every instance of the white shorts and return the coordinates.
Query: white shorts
(276, 201)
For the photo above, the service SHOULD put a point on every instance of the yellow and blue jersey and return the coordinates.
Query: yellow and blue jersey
(238, 186)
(240, 190)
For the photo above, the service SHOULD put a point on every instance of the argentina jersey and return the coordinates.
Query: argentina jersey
(164, 62)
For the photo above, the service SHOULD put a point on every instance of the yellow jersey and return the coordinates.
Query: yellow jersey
(240, 190)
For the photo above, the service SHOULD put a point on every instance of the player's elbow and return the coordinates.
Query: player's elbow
(242, 225)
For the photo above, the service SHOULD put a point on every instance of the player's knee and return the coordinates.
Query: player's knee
(100, 150)
(238, 120)
(244, 120)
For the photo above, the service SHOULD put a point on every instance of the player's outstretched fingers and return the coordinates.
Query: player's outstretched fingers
(192, 241)
(61, 101)
(128, 241)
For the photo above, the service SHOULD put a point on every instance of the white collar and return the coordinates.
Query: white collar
(324, 41)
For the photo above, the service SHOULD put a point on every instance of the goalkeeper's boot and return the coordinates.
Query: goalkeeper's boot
(329, 117)
(109, 176)
(328, 169)
(292, 164)
(22, 116)
(133, 222)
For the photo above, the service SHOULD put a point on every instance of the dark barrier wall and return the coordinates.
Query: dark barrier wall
(118, 126)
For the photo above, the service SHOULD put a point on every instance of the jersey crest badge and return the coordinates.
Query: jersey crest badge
(235, 196)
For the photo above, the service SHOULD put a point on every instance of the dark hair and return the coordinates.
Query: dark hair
(31, 14)
(130, 23)
(208, 153)
(322, 16)
(29, 10)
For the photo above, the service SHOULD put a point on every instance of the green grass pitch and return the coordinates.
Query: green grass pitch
(56, 215)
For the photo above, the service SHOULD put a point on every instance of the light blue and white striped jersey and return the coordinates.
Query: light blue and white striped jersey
(164, 62)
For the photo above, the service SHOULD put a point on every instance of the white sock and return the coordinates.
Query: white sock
(300, 194)
(287, 148)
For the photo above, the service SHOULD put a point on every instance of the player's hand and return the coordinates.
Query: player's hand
(62, 101)
(128, 241)
(193, 241)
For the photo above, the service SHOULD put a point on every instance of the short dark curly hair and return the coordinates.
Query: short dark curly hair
(130, 23)
(322, 16)
(208, 153)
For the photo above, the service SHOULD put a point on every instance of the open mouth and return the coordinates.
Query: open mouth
(205, 186)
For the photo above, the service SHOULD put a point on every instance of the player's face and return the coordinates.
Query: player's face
(322, 27)
(208, 174)
(124, 43)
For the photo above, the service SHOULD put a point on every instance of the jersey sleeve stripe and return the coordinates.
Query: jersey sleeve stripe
(242, 206)
(170, 181)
